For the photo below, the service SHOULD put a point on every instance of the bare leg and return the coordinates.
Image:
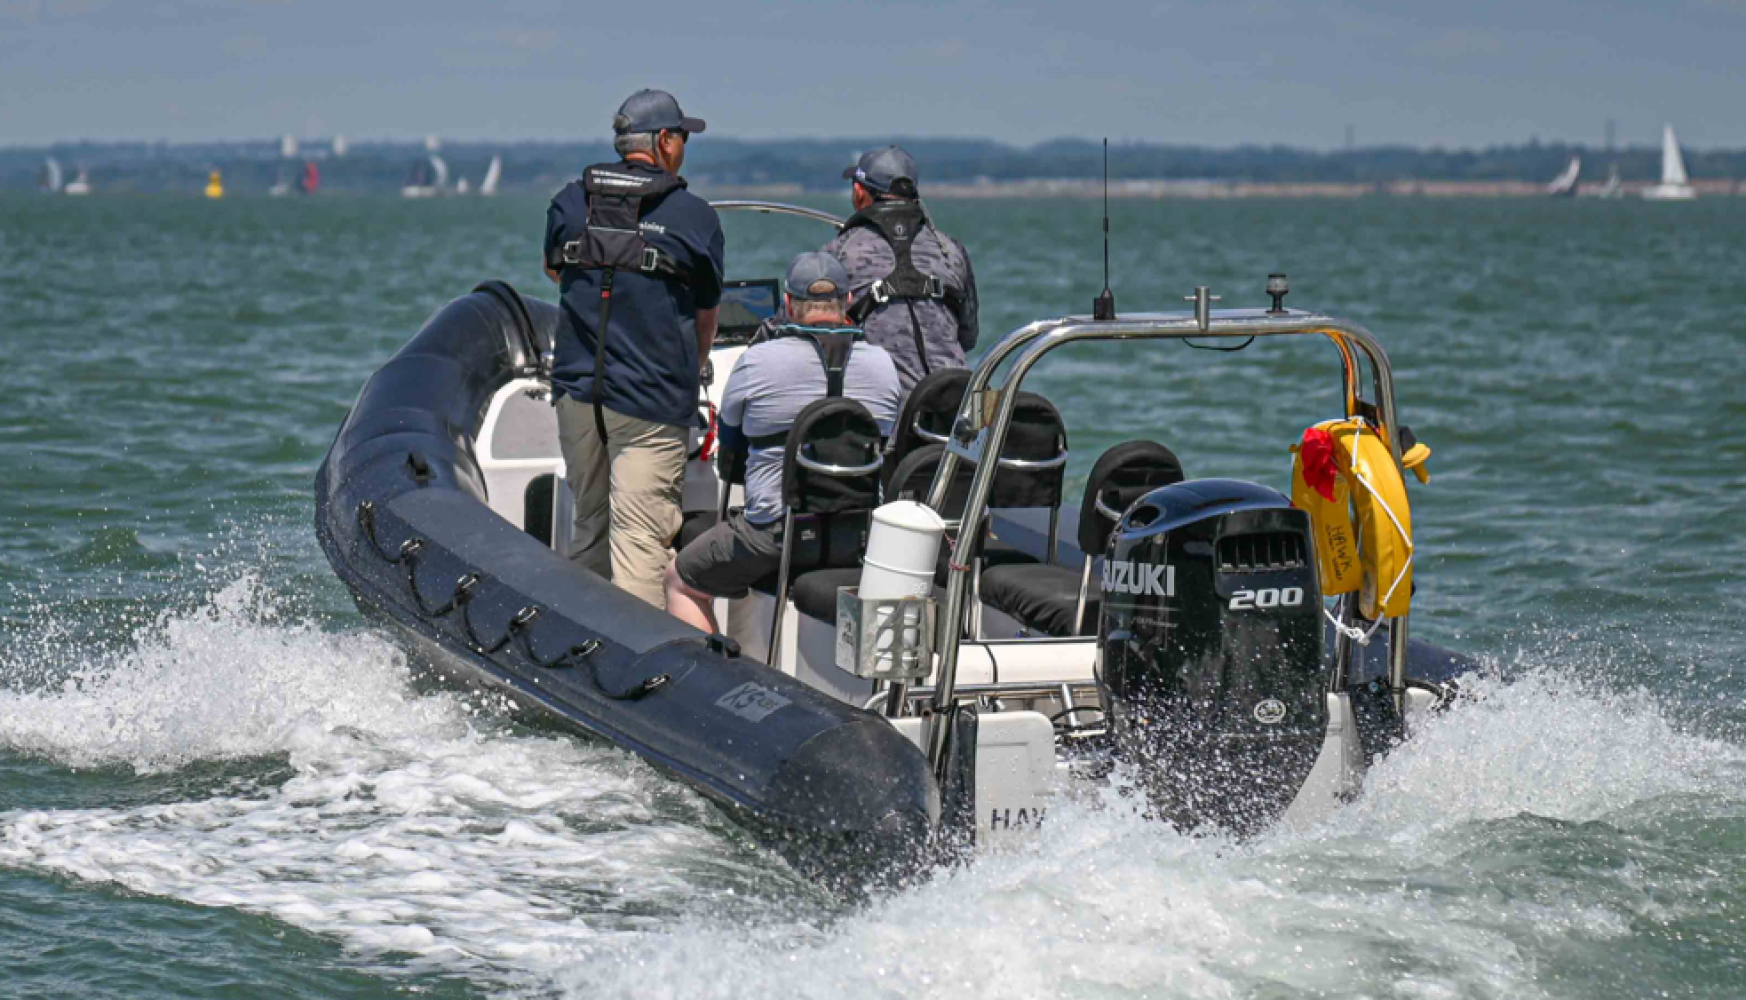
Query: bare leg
(693, 607)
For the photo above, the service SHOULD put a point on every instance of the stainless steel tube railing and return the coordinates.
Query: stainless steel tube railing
(981, 426)
(777, 208)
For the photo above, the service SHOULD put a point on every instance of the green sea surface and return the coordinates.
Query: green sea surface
(217, 781)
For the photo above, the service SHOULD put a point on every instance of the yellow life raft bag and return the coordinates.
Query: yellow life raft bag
(1342, 467)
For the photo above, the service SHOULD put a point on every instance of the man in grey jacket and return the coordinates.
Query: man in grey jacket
(914, 291)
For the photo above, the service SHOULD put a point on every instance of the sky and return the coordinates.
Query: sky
(1458, 73)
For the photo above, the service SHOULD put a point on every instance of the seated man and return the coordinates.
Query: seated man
(773, 382)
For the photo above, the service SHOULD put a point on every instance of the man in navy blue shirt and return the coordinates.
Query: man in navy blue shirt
(636, 254)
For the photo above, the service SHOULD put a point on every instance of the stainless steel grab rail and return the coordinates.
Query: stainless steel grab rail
(776, 208)
(838, 470)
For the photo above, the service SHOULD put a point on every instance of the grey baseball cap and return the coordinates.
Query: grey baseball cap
(652, 111)
(816, 275)
(880, 169)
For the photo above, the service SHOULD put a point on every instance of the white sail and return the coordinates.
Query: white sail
(493, 174)
(339, 146)
(1611, 189)
(430, 177)
(1672, 164)
(51, 176)
(1674, 186)
(1565, 184)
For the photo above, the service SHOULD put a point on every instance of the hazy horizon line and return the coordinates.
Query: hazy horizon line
(870, 141)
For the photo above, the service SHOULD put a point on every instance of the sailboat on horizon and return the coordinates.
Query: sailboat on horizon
(80, 184)
(1564, 186)
(1674, 185)
(493, 174)
(430, 176)
(52, 180)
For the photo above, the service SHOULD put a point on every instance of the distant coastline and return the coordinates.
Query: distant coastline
(951, 168)
(1216, 190)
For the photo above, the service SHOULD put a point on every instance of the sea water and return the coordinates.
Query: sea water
(217, 780)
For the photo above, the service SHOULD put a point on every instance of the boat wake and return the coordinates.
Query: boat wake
(1499, 853)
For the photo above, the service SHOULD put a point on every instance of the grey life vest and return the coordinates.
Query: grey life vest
(898, 223)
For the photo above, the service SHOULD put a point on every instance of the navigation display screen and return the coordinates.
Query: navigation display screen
(745, 305)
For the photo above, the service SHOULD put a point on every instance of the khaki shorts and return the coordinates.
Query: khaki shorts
(728, 559)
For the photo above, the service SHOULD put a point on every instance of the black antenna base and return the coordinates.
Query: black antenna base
(1103, 307)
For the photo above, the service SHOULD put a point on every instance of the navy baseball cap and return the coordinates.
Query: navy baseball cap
(652, 111)
(881, 169)
(816, 275)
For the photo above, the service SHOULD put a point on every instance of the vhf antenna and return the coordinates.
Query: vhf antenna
(1103, 307)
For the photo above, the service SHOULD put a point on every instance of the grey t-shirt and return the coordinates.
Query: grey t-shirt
(777, 379)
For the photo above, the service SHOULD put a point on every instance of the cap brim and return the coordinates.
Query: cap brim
(836, 296)
(692, 125)
(849, 173)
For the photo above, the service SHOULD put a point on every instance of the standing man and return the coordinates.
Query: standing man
(638, 261)
(772, 383)
(915, 294)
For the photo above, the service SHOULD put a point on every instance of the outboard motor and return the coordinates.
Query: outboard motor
(1210, 651)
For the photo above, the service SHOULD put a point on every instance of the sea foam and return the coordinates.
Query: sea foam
(416, 828)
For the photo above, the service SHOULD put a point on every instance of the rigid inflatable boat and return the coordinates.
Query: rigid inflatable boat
(1246, 656)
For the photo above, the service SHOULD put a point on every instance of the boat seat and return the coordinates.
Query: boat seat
(815, 593)
(1045, 598)
(830, 485)
(925, 419)
(915, 474)
(1032, 473)
(1041, 598)
(820, 544)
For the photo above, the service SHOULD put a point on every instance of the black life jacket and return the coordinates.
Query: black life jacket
(612, 238)
(833, 345)
(898, 223)
(612, 241)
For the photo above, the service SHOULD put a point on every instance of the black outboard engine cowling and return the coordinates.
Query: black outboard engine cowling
(1210, 651)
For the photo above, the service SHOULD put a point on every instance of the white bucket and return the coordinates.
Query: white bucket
(903, 545)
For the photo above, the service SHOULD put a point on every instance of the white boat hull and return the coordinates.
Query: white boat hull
(1669, 192)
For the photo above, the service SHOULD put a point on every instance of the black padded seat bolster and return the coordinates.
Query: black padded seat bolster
(815, 593)
(1041, 598)
(932, 404)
